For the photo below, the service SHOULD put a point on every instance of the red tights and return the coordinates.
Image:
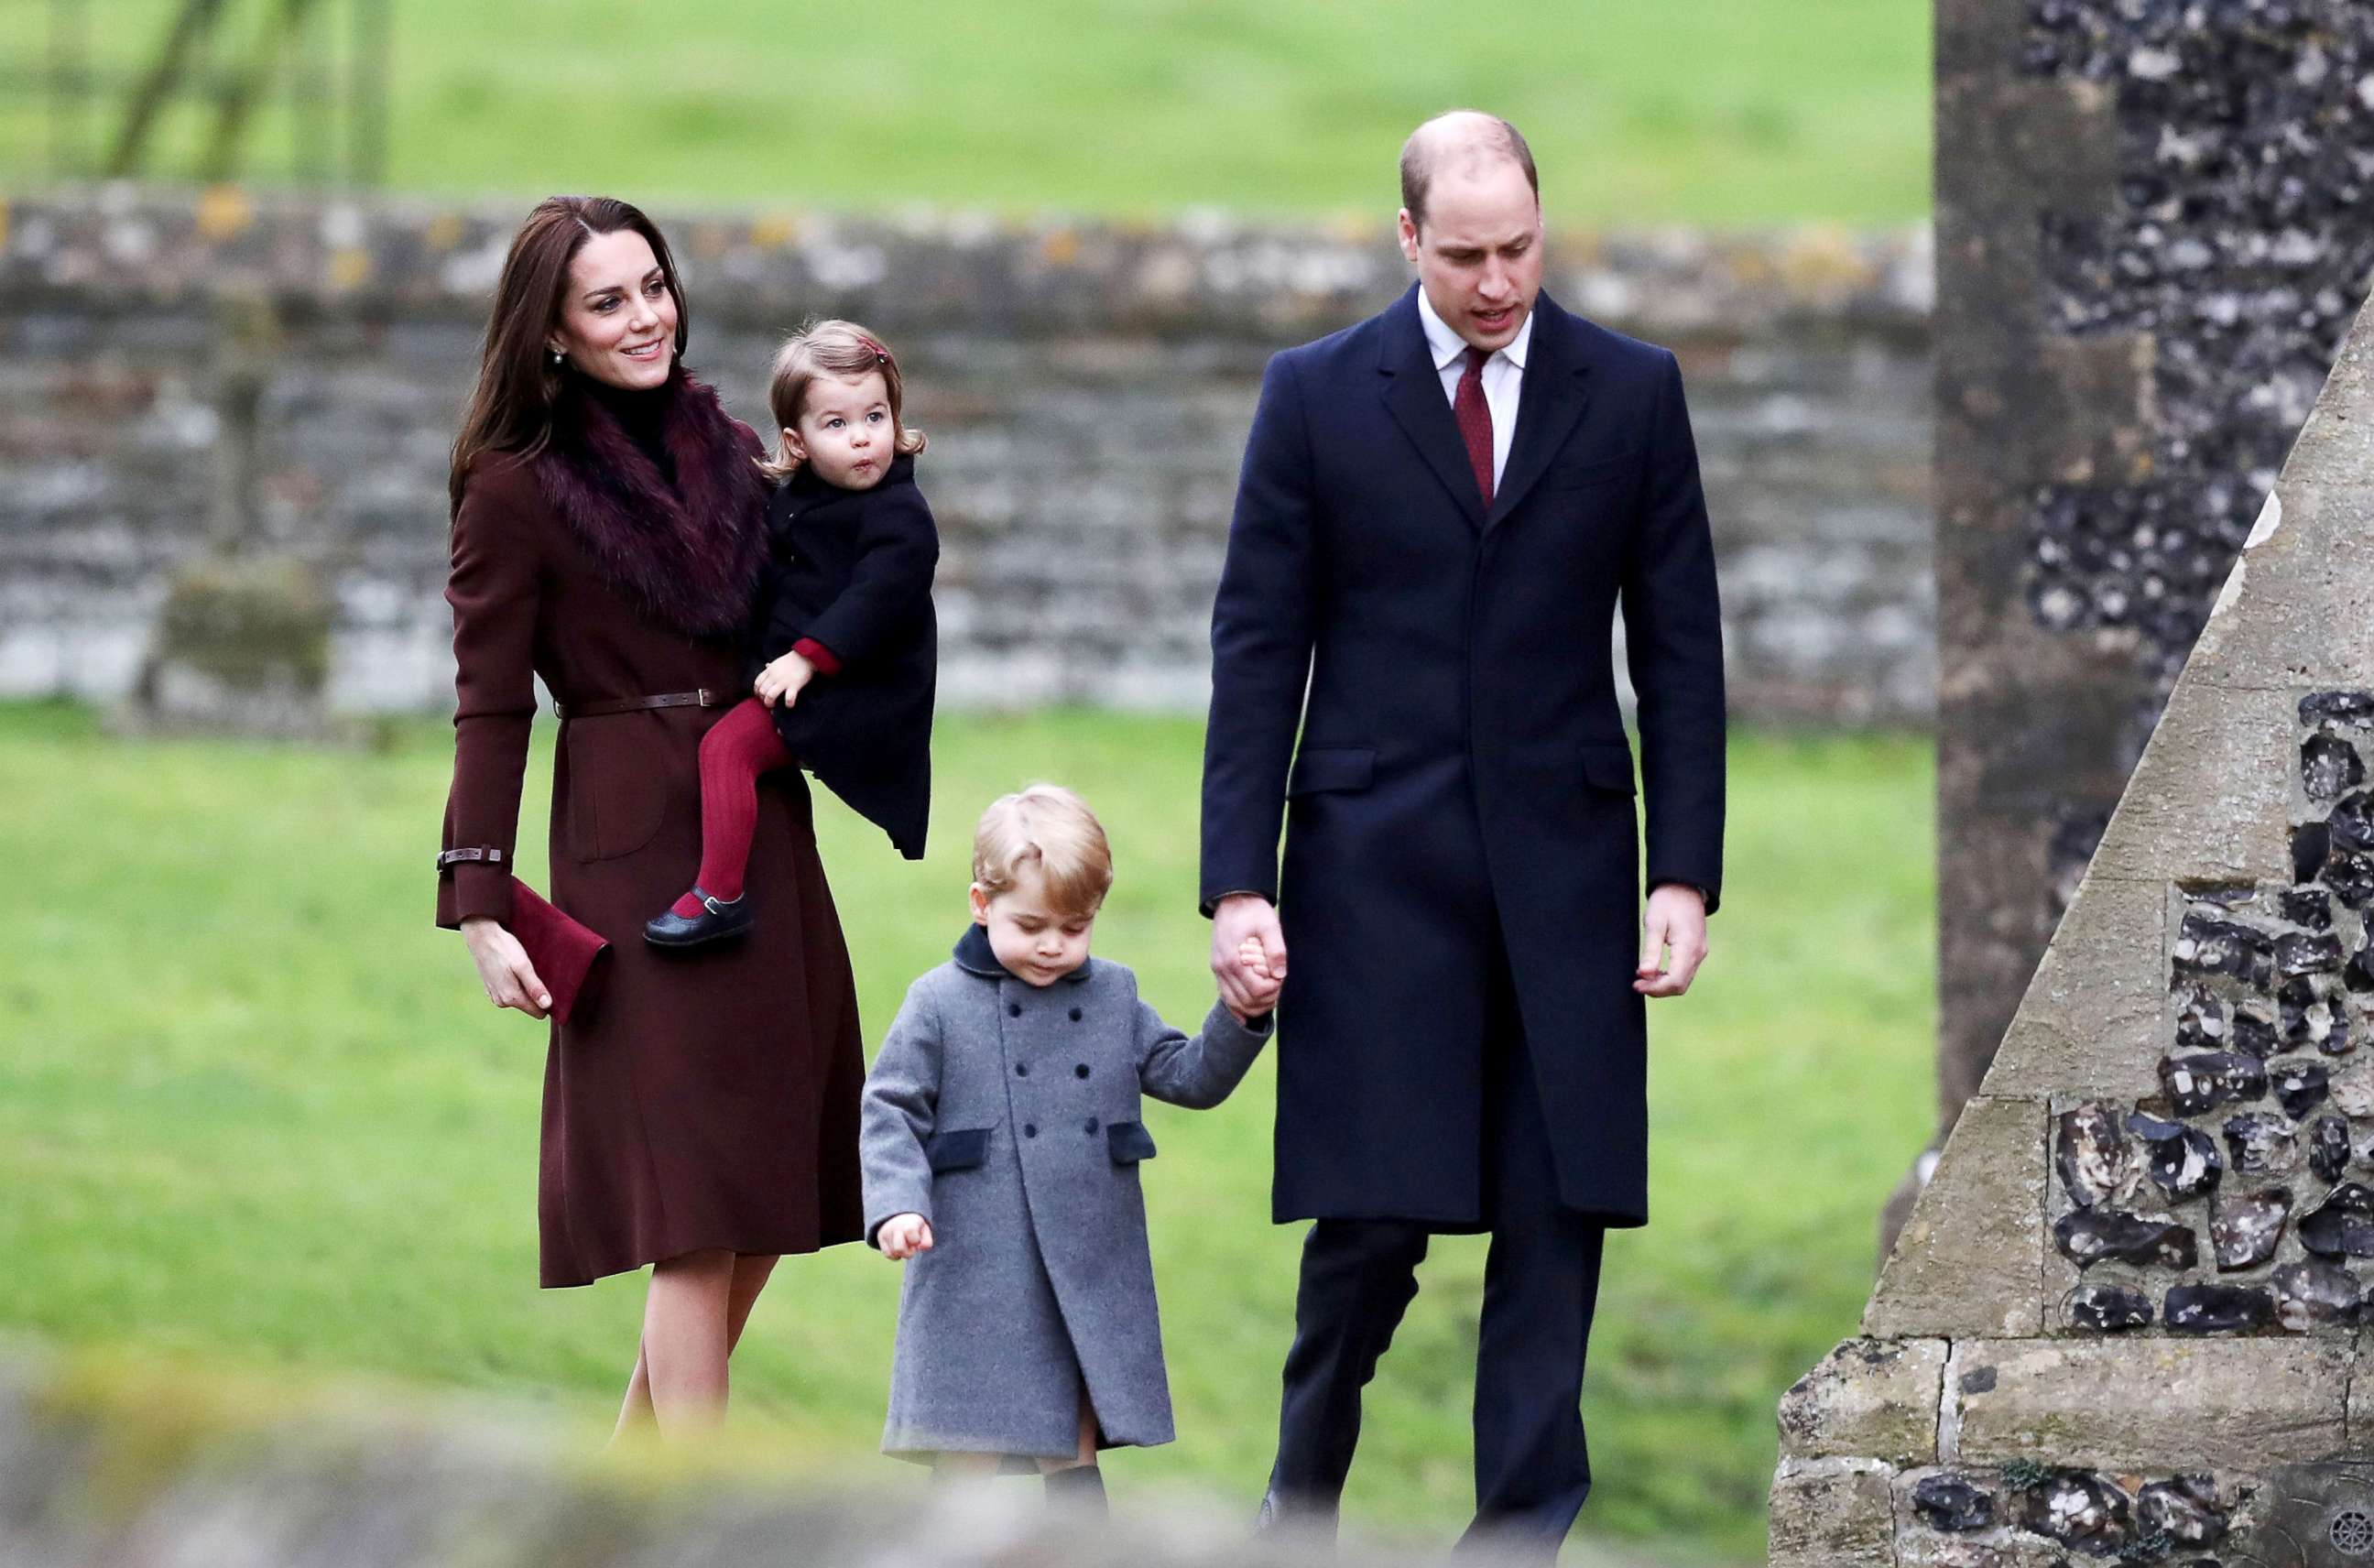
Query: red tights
(737, 749)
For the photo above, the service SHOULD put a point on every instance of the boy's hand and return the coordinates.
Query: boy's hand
(904, 1235)
(1256, 990)
(779, 684)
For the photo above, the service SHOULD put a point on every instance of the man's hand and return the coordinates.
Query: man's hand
(904, 1235)
(1676, 920)
(1242, 919)
(779, 684)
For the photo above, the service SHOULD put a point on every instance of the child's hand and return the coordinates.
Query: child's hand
(904, 1235)
(1261, 987)
(780, 683)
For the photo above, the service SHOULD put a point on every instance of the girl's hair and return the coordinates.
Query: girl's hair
(836, 349)
(511, 409)
(1048, 826)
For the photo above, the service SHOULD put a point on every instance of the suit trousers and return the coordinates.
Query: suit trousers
(1541, 1284)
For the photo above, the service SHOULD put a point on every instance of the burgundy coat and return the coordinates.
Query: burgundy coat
(696, 1099)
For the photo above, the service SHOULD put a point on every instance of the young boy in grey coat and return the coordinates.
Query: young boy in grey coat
(1001, 1143)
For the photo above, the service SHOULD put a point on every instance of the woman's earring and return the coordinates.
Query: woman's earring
(558, 359)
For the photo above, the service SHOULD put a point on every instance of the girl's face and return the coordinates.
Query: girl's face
(1033, 942)
(617, 318)
(846, 432)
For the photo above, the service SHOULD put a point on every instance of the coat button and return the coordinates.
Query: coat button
(1021, 1069)
(1075, 1015)
(1030, 1129)
(1092, 1124)
(1013, 1009)
(1080, 1071)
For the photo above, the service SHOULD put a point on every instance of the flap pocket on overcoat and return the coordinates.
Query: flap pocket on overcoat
(1318, 769)
(1609, 767)
(1583, 476)
(960, 1150)
(1129, 1141)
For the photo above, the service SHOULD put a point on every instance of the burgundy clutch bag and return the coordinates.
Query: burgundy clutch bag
(562, 951)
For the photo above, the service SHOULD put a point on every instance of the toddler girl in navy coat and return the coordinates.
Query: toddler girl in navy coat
(845, 648)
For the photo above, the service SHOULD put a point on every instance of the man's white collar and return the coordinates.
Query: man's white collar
(1447, 347)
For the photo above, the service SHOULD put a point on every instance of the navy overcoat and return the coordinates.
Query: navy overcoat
(1461, 775)
(853, 569)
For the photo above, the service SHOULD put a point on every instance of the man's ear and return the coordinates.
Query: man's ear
(1408, 228)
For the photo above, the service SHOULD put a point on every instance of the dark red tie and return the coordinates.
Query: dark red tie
(1475, 417)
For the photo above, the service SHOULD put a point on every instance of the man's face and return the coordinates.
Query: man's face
(1479, 254)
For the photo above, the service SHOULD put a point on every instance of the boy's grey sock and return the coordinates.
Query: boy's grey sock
(1080, 1490)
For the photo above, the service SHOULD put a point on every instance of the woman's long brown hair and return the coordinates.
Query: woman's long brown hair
(511, 409)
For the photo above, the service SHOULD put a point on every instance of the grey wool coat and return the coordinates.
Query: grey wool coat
(1006, 1114)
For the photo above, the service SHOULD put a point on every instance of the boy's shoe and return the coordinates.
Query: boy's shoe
(718, 918)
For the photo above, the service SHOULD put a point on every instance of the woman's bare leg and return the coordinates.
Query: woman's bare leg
(685, 1338)
(750, 1272)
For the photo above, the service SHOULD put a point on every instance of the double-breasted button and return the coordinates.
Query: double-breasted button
(1013, 1009)
(1092, 1125)
(1080, 1071)
(1021, 1069)
(1030, 1129)
(1075, 1015)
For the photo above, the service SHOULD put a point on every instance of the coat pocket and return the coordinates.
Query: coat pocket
(1129, 1143)
(618, 784)
(1608, 767)
(960, 1150)
(1320, 769)
(1588, 475)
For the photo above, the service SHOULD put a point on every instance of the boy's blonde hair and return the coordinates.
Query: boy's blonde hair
(835, 349)
(1048, 826)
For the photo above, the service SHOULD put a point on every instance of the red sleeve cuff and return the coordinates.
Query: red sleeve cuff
(826, 661)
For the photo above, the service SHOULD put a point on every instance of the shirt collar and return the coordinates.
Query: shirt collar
(975, 956)
(1448, 347)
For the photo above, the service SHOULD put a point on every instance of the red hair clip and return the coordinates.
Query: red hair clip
(881, 354)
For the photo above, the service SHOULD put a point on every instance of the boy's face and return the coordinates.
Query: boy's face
(1029, 938)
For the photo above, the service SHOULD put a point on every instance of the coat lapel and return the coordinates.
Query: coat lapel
(1413, 392)
(1557, 390)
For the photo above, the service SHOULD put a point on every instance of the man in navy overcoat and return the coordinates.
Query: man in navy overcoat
(1441, 511)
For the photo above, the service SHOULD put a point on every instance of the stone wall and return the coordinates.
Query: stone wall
(162, 1466)
(2151, 236)
(2123, 1321)
(1086, 391)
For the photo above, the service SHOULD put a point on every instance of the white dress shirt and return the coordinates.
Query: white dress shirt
(1504, 376)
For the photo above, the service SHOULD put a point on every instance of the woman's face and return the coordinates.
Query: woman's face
(618, 317)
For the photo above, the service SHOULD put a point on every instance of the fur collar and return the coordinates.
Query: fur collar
(687, 556)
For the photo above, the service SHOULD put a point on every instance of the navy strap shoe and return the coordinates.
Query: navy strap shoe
(718, 919)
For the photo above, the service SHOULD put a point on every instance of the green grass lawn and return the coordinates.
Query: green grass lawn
(255, 1109)
(1688, 110)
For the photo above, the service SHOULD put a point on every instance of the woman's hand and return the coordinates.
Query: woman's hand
(510, 980)
(780, 683)
(904, 1235)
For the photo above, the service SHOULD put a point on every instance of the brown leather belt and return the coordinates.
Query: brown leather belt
(704, 698)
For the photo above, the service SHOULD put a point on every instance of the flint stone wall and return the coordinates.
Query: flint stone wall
(1086, 391)
(2152, 229)
(2128, 1320)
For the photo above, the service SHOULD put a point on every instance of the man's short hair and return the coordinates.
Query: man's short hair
(1484, 136)
(1049, 827)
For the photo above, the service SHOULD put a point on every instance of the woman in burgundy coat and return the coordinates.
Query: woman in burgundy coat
(700, 1111)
